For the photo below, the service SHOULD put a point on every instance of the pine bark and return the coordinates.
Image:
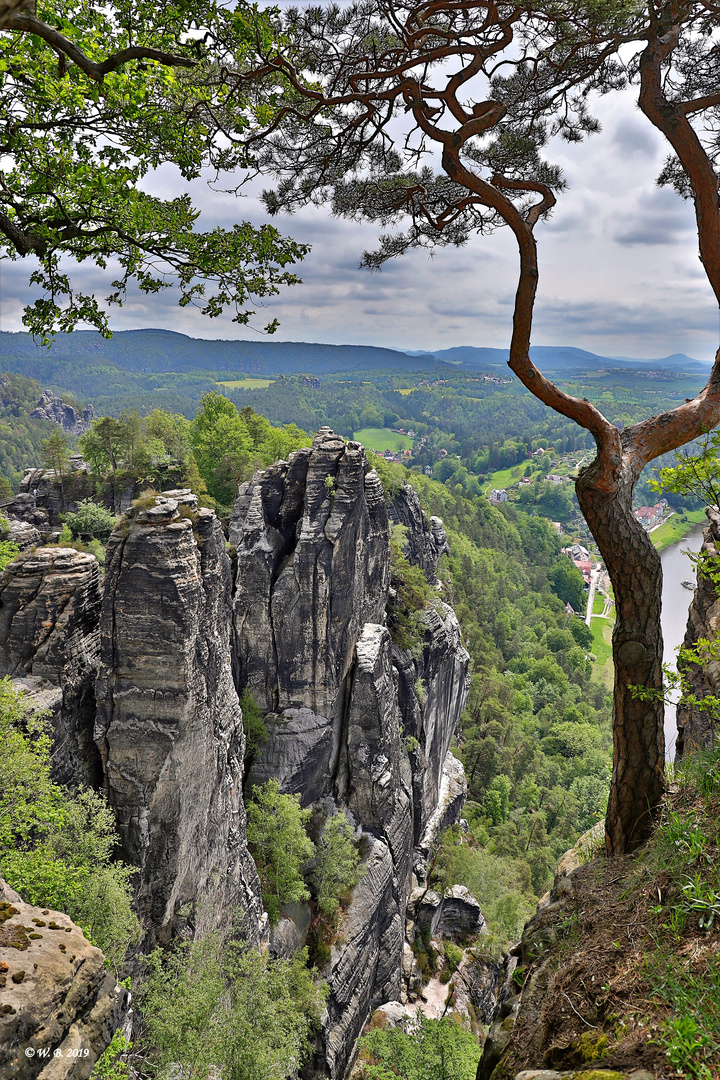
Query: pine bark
(638, 725)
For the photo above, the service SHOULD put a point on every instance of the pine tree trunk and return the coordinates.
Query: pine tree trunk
(638, 726)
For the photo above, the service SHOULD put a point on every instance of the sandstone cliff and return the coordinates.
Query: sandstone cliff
(354, 721)
(49, 643)
(352, 718)
(169, 726)
(695, 726)
(70, 419)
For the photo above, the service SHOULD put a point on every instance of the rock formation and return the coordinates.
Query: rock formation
(351, 717)
(695, 726)
(424, 541)
(355, 723)
(49, 640)
(70, 419)
(169, 725)
(59, 1004)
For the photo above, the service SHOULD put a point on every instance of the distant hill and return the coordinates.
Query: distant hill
(565, 358)
(158, 351)
(146, 352)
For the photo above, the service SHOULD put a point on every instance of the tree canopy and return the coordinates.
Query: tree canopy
(94, 97)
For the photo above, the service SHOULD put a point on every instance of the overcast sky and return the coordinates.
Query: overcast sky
(619, 271)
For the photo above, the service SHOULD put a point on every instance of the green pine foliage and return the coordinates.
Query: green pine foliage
(337, 863)
(279, 845)
(256, 733)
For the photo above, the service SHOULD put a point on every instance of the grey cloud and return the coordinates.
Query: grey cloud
(635, 138)
(658, 218)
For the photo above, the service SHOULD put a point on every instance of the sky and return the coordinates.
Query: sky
(619, 270)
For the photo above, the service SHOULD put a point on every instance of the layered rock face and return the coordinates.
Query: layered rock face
(50, 602)
(70, 419)
(695, 726)
(59, 1004)
(425, 541)
(351, 717)
(169, 725)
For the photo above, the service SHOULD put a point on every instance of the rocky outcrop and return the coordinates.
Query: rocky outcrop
(59, 1004)
(312, 568)
(70, 419)
(169, 725)
(695, 726)
(49, 640)
(23, 534)
(350, 716)
(423, 541)
(43, 495)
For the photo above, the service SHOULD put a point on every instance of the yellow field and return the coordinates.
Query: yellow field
(247, 383)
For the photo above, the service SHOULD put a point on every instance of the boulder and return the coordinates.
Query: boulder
(59, 1004)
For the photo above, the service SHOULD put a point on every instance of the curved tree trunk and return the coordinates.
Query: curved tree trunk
(638, 726)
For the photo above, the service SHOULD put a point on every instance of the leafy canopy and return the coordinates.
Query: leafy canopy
(228, 1009)
(279, 845)
(92, 99)
(56, 848)
(429, 1050)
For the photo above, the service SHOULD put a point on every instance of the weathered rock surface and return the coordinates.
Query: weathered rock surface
(23, 534)
(51, 496)
(59, 1005)
(424, 541)
(70, 419)
(365, 967)
(350, 716)
(169, 725)
(312, 568)
(24, 508)
(695, 726)
(49, 632)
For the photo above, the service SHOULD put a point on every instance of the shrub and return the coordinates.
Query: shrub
(337, 868)
(56, 848)
(90, 518)
(256, 733)
(279, 845)
(210, 1009)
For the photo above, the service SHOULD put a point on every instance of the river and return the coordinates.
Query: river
(676, 599)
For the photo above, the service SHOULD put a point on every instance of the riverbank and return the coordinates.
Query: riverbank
(676, 528)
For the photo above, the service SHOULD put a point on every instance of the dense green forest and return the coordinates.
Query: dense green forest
(469, 428)
(535, 737)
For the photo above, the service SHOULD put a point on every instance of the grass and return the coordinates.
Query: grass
(504, 477)
(381, 439)
(247, 383)
(602, 643)
(676, 528)
(637, 981)
(406, 390)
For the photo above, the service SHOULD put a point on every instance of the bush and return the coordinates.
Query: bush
(254, 727)
(432, 1050)
(337, 868)
(90, 518)
(211, 1009)
(56, 848)
(279, 845)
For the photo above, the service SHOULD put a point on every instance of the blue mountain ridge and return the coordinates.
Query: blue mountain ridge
(156, 351)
